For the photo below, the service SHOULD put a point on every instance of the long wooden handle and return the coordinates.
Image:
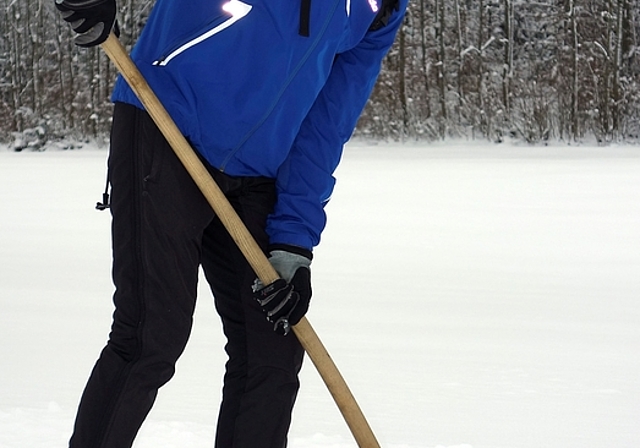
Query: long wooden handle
(264, 271)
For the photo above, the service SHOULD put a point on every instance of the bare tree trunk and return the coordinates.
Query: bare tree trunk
(425, 57)
(480, 81)
(460, 52)
(30, 50)
(575, 113)
(442, 81)
(36, 26)
(608, 72)
(402, 89)
(60, 58)
(507, 74)
(617, 68)
(16, 64)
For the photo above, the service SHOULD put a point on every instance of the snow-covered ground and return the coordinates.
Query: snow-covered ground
(472, 296)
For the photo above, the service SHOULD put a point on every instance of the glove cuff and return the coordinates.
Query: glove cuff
(287, 263)
(293, 249)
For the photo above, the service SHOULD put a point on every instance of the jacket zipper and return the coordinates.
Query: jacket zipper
(292, 75)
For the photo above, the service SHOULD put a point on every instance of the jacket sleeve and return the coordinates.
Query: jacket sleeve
(305, 180)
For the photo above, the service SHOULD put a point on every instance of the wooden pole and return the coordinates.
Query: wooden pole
(264, 271)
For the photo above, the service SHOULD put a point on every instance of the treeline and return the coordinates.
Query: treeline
(484, 69)
(495, 69)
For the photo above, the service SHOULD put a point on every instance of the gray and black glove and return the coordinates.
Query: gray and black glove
(286, 300)
(93, 20)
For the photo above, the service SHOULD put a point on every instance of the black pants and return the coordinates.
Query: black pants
(163, 230)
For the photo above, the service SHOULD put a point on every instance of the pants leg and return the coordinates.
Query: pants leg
(162, 229)
(261, 379)
(158, 221)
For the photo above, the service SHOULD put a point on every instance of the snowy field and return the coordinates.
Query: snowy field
(472, 296)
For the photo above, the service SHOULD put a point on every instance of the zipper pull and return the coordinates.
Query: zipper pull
(305, 16)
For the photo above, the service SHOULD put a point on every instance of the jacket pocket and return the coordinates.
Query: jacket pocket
(234, 11)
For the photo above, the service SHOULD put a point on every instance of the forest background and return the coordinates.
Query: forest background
(531, 71)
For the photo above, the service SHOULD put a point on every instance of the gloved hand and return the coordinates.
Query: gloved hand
(93, 20)
(286, 300)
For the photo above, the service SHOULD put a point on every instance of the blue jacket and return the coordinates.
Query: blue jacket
(255, 97)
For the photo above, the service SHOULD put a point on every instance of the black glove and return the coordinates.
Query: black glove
(93, 20)
(286, 300)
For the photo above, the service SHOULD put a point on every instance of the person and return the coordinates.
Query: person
(267, 92)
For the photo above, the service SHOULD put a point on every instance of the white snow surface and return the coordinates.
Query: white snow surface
(473, 296)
